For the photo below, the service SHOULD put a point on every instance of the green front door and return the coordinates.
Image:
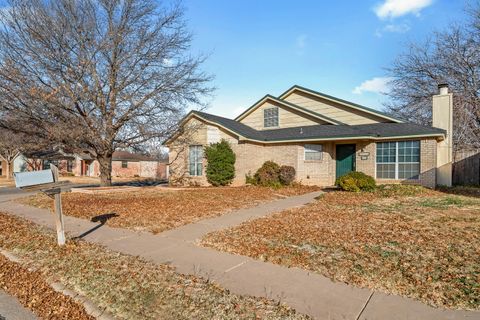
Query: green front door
(345, 159)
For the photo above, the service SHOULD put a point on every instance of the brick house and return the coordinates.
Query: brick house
(322, 137)
(124, 164)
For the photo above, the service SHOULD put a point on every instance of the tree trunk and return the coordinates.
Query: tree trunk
(9, 170)
(105, 170)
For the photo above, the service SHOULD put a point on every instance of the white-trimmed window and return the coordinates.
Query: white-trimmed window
(398, 160)
(195, 160)
(313, 152)
(270, 117)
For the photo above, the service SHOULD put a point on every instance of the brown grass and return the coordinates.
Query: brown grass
(402, 240)
(156, 211)
(128, 287)
(34, 293)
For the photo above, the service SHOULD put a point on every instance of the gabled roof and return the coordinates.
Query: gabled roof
(340, 101)
(375, 131)
(288, 105)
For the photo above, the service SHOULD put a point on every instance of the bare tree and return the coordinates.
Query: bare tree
(97, 75)
(9, 150)
(451, 56)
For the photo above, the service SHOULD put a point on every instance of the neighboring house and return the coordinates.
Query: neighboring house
(124, 164)
(3, 167)
(322, 137)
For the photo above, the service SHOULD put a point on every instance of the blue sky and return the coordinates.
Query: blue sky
(340, 47)
(260, 47)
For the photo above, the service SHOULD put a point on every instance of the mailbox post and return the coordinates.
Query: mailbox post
(46, 181)
(57, 195)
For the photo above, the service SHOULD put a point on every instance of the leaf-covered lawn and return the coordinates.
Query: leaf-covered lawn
(403, 240)
(128, 287)
(159, 210)
(34, 293)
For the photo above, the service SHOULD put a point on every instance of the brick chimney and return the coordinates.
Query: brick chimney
(442, 118)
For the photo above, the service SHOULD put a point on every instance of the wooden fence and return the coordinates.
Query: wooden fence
(466, 167)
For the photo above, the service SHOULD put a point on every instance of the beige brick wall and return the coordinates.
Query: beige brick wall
(195, 134)
(428, 163)
(367, 163)
(428, 148)
(320, 172)
(250, 156)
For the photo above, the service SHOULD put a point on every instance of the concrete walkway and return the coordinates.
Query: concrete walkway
(11, 309)
(307, 292)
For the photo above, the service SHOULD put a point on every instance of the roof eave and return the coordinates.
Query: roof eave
(192, 114)
(343, 138)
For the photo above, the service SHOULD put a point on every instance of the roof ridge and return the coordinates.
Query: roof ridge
(343, 101)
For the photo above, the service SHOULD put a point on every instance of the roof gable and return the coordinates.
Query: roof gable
(287, 105)
(346, 105)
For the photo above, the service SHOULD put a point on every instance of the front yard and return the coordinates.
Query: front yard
(403, 240)
(160, 209)
(128, 287)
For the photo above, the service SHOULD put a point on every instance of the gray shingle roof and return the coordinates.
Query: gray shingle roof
(376, 130)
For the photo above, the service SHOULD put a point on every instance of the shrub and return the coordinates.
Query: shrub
(286, 175)
(249, 179)
(220, 169)
(356, 181)
(268, 175)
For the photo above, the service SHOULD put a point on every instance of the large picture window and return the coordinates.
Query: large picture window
(196, 160)
(270, 117)
(398, 160)
(313, 152)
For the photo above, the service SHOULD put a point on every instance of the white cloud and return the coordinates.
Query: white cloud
(376, 85)
(301, 43)
(397, 8)
(398, 28)
(393, 28)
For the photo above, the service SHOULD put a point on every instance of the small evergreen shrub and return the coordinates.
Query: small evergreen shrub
(286, 175)
(268, 175)
(356, 181)
(220, 169)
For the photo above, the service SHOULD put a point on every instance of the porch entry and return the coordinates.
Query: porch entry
(345, 162)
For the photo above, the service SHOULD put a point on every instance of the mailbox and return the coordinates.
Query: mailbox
(33, 178)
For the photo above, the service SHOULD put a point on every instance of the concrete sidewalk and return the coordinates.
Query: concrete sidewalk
(11, 309)
(307, 292)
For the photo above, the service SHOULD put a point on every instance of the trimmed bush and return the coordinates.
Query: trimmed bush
(268, 175)
(249, 179)
(220, 169)
(356, 181)
(286, 175)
